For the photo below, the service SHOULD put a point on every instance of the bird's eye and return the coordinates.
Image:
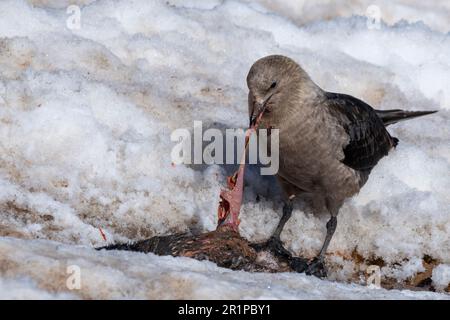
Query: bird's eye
(273, 85)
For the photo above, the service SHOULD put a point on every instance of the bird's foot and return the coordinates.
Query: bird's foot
(298, 264)
(275, 246)
(316, 268)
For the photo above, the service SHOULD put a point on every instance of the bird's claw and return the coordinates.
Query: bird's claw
(275, 246)
(317, 268)
(298, 264)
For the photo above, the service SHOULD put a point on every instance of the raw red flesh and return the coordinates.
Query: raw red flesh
(231, 198)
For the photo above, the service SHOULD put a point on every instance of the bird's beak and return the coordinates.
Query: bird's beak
(258, 109)
(252, 120)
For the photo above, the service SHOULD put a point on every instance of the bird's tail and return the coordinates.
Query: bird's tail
(393, 116)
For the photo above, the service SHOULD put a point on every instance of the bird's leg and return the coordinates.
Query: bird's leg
(287, 213)
(275, 245)
(317, 266)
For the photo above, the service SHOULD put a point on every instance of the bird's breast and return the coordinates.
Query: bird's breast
(309, 153)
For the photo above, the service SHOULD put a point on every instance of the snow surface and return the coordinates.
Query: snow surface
(85, 123)
(120, 274)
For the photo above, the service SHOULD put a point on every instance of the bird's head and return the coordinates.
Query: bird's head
(270, 81)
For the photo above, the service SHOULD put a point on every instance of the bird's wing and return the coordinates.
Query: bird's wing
(368, 140)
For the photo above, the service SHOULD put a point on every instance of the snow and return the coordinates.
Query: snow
(86, 117)
(441, 277)
(124, 275)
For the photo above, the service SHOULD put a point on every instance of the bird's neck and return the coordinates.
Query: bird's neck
(301, 101)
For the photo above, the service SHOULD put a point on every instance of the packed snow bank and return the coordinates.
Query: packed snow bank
(434, 14)
(119, 275)
(86, 116)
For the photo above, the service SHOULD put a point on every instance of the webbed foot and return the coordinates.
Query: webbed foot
(275, 246)
(317, 268)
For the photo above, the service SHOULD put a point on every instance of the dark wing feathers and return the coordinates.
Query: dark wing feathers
(393, 116)
(369, 139)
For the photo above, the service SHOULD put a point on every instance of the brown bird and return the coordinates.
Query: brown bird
(328, 142)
